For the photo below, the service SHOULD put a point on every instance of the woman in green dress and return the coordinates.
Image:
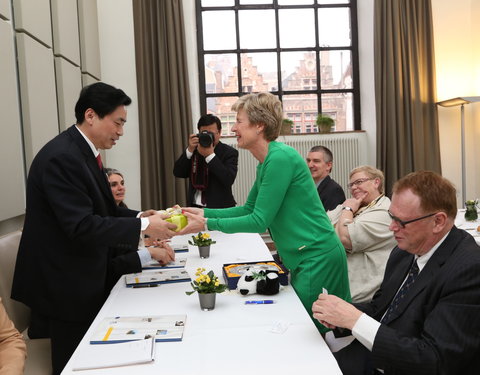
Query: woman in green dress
(284, 200)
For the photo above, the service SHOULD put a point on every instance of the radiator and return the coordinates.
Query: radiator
(349, 151)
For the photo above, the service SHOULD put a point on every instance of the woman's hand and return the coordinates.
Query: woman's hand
(196, 222)
(193, 210)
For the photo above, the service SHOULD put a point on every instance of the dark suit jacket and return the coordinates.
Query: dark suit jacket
(331, 194)
(436, 329)
(71, 223)
(222, 171)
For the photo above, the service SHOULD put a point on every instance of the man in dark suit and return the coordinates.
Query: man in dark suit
(320, 163)
(72, 222)
(211, 167)
(425, 318)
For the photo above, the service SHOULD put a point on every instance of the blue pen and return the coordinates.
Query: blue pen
(260, 302)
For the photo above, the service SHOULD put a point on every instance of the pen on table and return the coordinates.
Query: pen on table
(145, 286)
(260, 302)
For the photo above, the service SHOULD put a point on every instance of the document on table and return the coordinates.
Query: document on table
(115, 355)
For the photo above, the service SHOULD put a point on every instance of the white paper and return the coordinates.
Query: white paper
(115, 355)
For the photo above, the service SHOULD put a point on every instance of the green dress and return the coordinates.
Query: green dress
(284, 200)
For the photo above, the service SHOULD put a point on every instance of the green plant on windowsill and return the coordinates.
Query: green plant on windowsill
(325, 123)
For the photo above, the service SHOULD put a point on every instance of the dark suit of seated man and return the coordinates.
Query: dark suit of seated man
(72, 222)
(431, 326)
(320, 162)
(211, 169)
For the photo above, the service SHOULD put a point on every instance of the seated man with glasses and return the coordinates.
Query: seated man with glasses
(210, 165)
(361, 223)
(424, 319)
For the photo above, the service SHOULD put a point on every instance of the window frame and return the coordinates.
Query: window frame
(353, 48)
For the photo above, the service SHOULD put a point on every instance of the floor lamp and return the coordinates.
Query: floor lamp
(461, 101)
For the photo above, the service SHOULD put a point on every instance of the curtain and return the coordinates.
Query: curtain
(405, 89)
(163, 99)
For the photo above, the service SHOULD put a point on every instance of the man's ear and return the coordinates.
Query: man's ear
(90, 114)
(440, 221)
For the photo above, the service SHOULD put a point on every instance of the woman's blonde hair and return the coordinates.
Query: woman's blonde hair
(372, 173)
(262, 108)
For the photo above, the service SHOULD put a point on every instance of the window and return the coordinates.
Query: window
(304, 51)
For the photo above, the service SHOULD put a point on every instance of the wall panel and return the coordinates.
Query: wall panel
(89, 44)
(5, 11)
(38, 94)
(65, 30)
(33, 17)
(12, 183)
(69, 84)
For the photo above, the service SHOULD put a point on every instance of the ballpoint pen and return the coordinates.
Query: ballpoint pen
(145, 286)
(260, 302)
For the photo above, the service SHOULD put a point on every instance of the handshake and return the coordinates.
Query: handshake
(164, 223)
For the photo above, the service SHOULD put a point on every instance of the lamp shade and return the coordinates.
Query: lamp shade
(459, 101)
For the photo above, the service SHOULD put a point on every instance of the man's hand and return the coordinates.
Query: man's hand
(163, 253)
(334, 312)
(196, 222)
(148, 213)
(192, 142)
(205, 151)
(159, 228)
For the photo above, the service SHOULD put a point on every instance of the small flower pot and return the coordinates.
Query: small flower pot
(471, 212)
(204, 251)
(207, 301)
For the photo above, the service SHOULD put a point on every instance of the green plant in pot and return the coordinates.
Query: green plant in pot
(324, 123)
(286, 127)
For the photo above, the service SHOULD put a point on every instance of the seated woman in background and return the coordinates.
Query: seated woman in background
(125, 261)
(362, 224)
(283, 199)
(117, 184)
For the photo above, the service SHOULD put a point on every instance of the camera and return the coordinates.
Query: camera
(205, 138)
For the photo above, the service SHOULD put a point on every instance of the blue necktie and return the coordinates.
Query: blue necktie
(412, 275)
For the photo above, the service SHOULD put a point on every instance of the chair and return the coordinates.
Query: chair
(38, 350)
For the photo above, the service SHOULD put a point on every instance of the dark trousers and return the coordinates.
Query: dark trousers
(64, 336)
(355, 359)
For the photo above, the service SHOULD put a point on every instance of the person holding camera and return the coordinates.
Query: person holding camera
(210, 164)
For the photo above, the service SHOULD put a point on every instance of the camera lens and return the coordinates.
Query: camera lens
(205, 138)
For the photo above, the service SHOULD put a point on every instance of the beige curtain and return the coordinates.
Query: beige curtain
(163, 99)
(405, 89)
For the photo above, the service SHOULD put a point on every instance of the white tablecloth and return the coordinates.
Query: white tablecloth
(234, 338)
(469, 226)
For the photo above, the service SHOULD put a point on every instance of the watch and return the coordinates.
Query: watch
(347, 208)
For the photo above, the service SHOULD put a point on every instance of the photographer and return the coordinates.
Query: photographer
(210, 164)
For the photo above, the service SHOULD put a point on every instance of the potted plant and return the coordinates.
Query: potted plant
(324, 123)
(286, 128)
(203, 241)
(471, 210)
(207, 285)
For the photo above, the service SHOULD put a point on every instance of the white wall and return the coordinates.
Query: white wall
(457, 59)
(117, 46)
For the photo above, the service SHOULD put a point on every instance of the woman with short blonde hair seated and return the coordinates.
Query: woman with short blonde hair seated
(362, 224)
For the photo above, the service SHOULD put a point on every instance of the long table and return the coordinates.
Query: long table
(234, 338)
(469, 226)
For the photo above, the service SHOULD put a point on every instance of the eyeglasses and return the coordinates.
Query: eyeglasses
(359, 182)
(404, 223)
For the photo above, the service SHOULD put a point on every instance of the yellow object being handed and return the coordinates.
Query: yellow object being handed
(179, 220)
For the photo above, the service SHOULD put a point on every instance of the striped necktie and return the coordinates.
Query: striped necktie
(412, 275)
